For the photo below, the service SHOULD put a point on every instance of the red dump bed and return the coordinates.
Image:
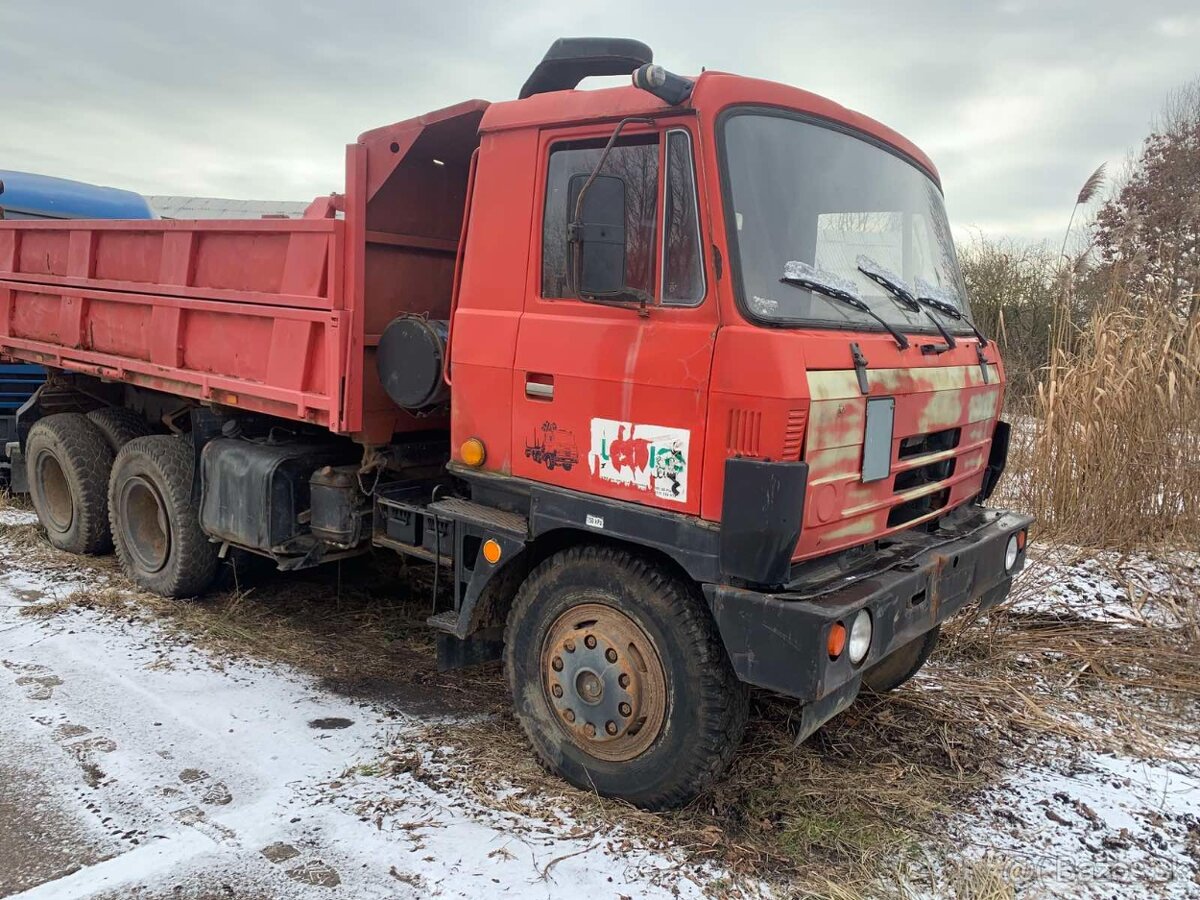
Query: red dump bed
(277, 316)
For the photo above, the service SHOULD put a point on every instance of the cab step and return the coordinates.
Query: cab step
(510, 524)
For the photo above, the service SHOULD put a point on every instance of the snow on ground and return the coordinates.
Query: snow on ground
(159, 769)
(1083, 824)
(12, 516)
(1070, 821)
(1106, 586)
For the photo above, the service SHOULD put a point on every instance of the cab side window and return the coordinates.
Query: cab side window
(683, 263)
(635, 161)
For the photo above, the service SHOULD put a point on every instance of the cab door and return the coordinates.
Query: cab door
(611, 399)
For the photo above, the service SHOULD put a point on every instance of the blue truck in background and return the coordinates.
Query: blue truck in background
(27, 196)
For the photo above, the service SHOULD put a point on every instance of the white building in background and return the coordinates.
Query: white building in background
(218, 208)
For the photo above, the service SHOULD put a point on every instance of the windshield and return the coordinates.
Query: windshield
(809, 193)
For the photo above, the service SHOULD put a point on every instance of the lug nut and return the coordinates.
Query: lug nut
(590, 642)
(625, 708)
(623, 681)
(610, 654)
(570, 645)
(569, 715)
(610, 727)
(589, 729)
(556, 690)
(557, 664)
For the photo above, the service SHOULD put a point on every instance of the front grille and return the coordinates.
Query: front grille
(920, 506)
(934, 442)
(926, 474)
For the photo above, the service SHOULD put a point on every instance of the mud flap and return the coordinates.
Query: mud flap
(814, 715)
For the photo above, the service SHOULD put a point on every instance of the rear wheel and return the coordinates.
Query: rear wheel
(900, 665)
(119, 425)
(620, 680)
(68, 461)
(155, 528)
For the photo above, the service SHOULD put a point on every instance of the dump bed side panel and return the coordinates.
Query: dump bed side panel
(245, 313)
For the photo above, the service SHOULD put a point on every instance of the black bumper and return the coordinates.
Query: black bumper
(778, 640)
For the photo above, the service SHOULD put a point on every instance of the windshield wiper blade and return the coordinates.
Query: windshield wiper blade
(826, 284)
(937, 298)
(902, 294)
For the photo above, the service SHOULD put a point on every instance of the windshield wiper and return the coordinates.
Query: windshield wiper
(826, 284)
(939, 299)
(903, 295)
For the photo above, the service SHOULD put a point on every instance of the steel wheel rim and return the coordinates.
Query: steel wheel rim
(58, 505)
(605, 681)
(145, 525)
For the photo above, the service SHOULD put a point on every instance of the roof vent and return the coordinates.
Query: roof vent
(570, 60)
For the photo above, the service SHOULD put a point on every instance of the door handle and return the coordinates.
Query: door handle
(539, 386)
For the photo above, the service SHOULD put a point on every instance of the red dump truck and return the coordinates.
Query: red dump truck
(733, 306)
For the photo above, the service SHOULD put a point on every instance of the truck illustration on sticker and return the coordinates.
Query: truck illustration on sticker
(553, 447)
(650, 458)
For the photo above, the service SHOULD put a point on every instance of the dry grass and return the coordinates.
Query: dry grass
(853, 812)
(1112, 457)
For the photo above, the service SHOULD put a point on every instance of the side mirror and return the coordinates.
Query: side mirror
(596, 235)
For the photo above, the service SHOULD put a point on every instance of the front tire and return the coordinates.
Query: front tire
(901, 665)
(620, 680)
(155, 528)
(68, 461)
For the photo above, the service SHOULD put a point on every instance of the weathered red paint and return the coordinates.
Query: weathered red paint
(283, 317)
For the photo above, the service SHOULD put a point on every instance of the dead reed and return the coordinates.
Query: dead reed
(1111, 456)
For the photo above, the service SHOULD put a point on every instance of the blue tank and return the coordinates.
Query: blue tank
(27, 196)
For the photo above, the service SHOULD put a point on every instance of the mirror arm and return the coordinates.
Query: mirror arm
(574, 227)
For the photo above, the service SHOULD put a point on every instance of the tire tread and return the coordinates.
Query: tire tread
(89, 458)
(723, 699)
(174, 460)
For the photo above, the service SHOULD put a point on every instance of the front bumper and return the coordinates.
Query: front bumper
(778, 640)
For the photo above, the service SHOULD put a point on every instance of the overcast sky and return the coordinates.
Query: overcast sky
(1016, 102)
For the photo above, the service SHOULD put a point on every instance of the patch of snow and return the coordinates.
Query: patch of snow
(11, 516)
(1094, 826)
(192, 771)
(1107, 587)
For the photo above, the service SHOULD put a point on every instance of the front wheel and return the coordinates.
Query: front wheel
(620, 680)
(155, 528)
(902, 664)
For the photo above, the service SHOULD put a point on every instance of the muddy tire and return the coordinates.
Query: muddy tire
(67, 462)
(899, 666)
(119, 425)
(620, 680)
(155, 527)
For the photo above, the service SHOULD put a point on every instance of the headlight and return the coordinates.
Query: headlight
(860, 637)
(1011, 552)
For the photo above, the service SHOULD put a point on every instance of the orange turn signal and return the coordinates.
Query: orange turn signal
(472, 452)
(837, 640)
(1021, 539)
(491, 551)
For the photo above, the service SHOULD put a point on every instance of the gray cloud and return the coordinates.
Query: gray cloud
(1015, 101)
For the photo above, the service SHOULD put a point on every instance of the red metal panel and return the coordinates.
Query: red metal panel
(266, 358)
(285, 262)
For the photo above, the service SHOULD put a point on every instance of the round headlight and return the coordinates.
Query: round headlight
(860, 637)
(1010, 554)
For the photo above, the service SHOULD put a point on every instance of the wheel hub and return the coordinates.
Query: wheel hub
(605, 680)
(59, 511)
(145, 525)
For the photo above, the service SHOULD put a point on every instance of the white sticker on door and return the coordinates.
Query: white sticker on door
(647, 457)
